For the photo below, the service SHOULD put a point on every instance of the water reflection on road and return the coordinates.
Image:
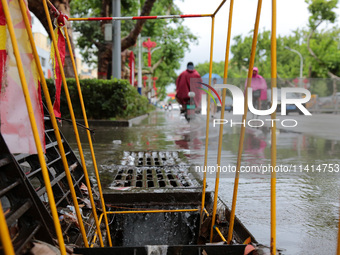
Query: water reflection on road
(307, 203)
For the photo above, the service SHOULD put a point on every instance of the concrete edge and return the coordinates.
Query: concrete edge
(137, 120)
(112, 123)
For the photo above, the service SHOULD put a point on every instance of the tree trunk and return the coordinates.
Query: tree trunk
(37, 8)
(105, 52)
(104, 49)
(104, 60)
(131, 39)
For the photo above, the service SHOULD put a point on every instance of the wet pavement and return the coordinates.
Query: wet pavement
(307, 201)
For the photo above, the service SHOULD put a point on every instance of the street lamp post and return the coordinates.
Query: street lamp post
(301, 63)
(116, 44)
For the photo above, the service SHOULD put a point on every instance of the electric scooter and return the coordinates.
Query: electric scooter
(189, 108)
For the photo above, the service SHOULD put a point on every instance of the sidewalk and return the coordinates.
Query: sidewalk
(321, 125)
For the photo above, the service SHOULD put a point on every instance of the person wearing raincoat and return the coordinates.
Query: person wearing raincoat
(188, 77)
(259, 86)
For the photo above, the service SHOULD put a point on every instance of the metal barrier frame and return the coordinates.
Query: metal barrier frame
(104, 214)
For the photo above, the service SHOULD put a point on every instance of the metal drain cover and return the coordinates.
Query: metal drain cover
(153, 177)
(152, 170)
(155, 158)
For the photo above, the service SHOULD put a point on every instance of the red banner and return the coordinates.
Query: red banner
(15, 121)
(3, 53)
(57, 74)
(132, 68)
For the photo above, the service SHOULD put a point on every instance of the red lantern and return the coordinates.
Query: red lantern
(145, 78)
(154, 83)
(132, 68)
(149, 44)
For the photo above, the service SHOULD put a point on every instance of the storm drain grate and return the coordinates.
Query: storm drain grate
(153, 177)
(154, 158)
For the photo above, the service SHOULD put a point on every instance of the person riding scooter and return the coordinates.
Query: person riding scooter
(183, 87)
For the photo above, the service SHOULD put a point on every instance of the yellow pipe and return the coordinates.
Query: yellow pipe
(239, 156)
(95, 236)
(34, 129)
(67, 94)
(54, 122)
(208, 118)
(273, 137)
(220, 234)
(153, 211)
(219, 7)
(224, 92)
(206, 212)
(4, 234)
(89, 137)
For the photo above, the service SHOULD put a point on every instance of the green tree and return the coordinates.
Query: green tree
(170, 35)
(323, 44)
(287, 61)
(91, 40)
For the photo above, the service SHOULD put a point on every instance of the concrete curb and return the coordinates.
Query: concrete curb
(113, 123)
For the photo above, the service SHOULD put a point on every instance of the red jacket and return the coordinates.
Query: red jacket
(183, 86)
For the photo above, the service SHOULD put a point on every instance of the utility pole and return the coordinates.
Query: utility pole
(116, 45)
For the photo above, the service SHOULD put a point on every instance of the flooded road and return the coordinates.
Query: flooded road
(307, 202)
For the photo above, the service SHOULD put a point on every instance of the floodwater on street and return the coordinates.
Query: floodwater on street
(307, 201)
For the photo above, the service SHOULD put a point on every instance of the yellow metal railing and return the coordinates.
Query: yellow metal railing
(54, 122)
(75, 128)
(208, 117)
(273, 137)
(220, 137)
(240, 146)
(5, 237)
(34, 129)
(89, 137)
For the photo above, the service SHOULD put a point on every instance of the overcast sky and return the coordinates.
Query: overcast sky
(291, 14)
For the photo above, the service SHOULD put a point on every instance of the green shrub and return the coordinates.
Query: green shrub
(103, 99)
